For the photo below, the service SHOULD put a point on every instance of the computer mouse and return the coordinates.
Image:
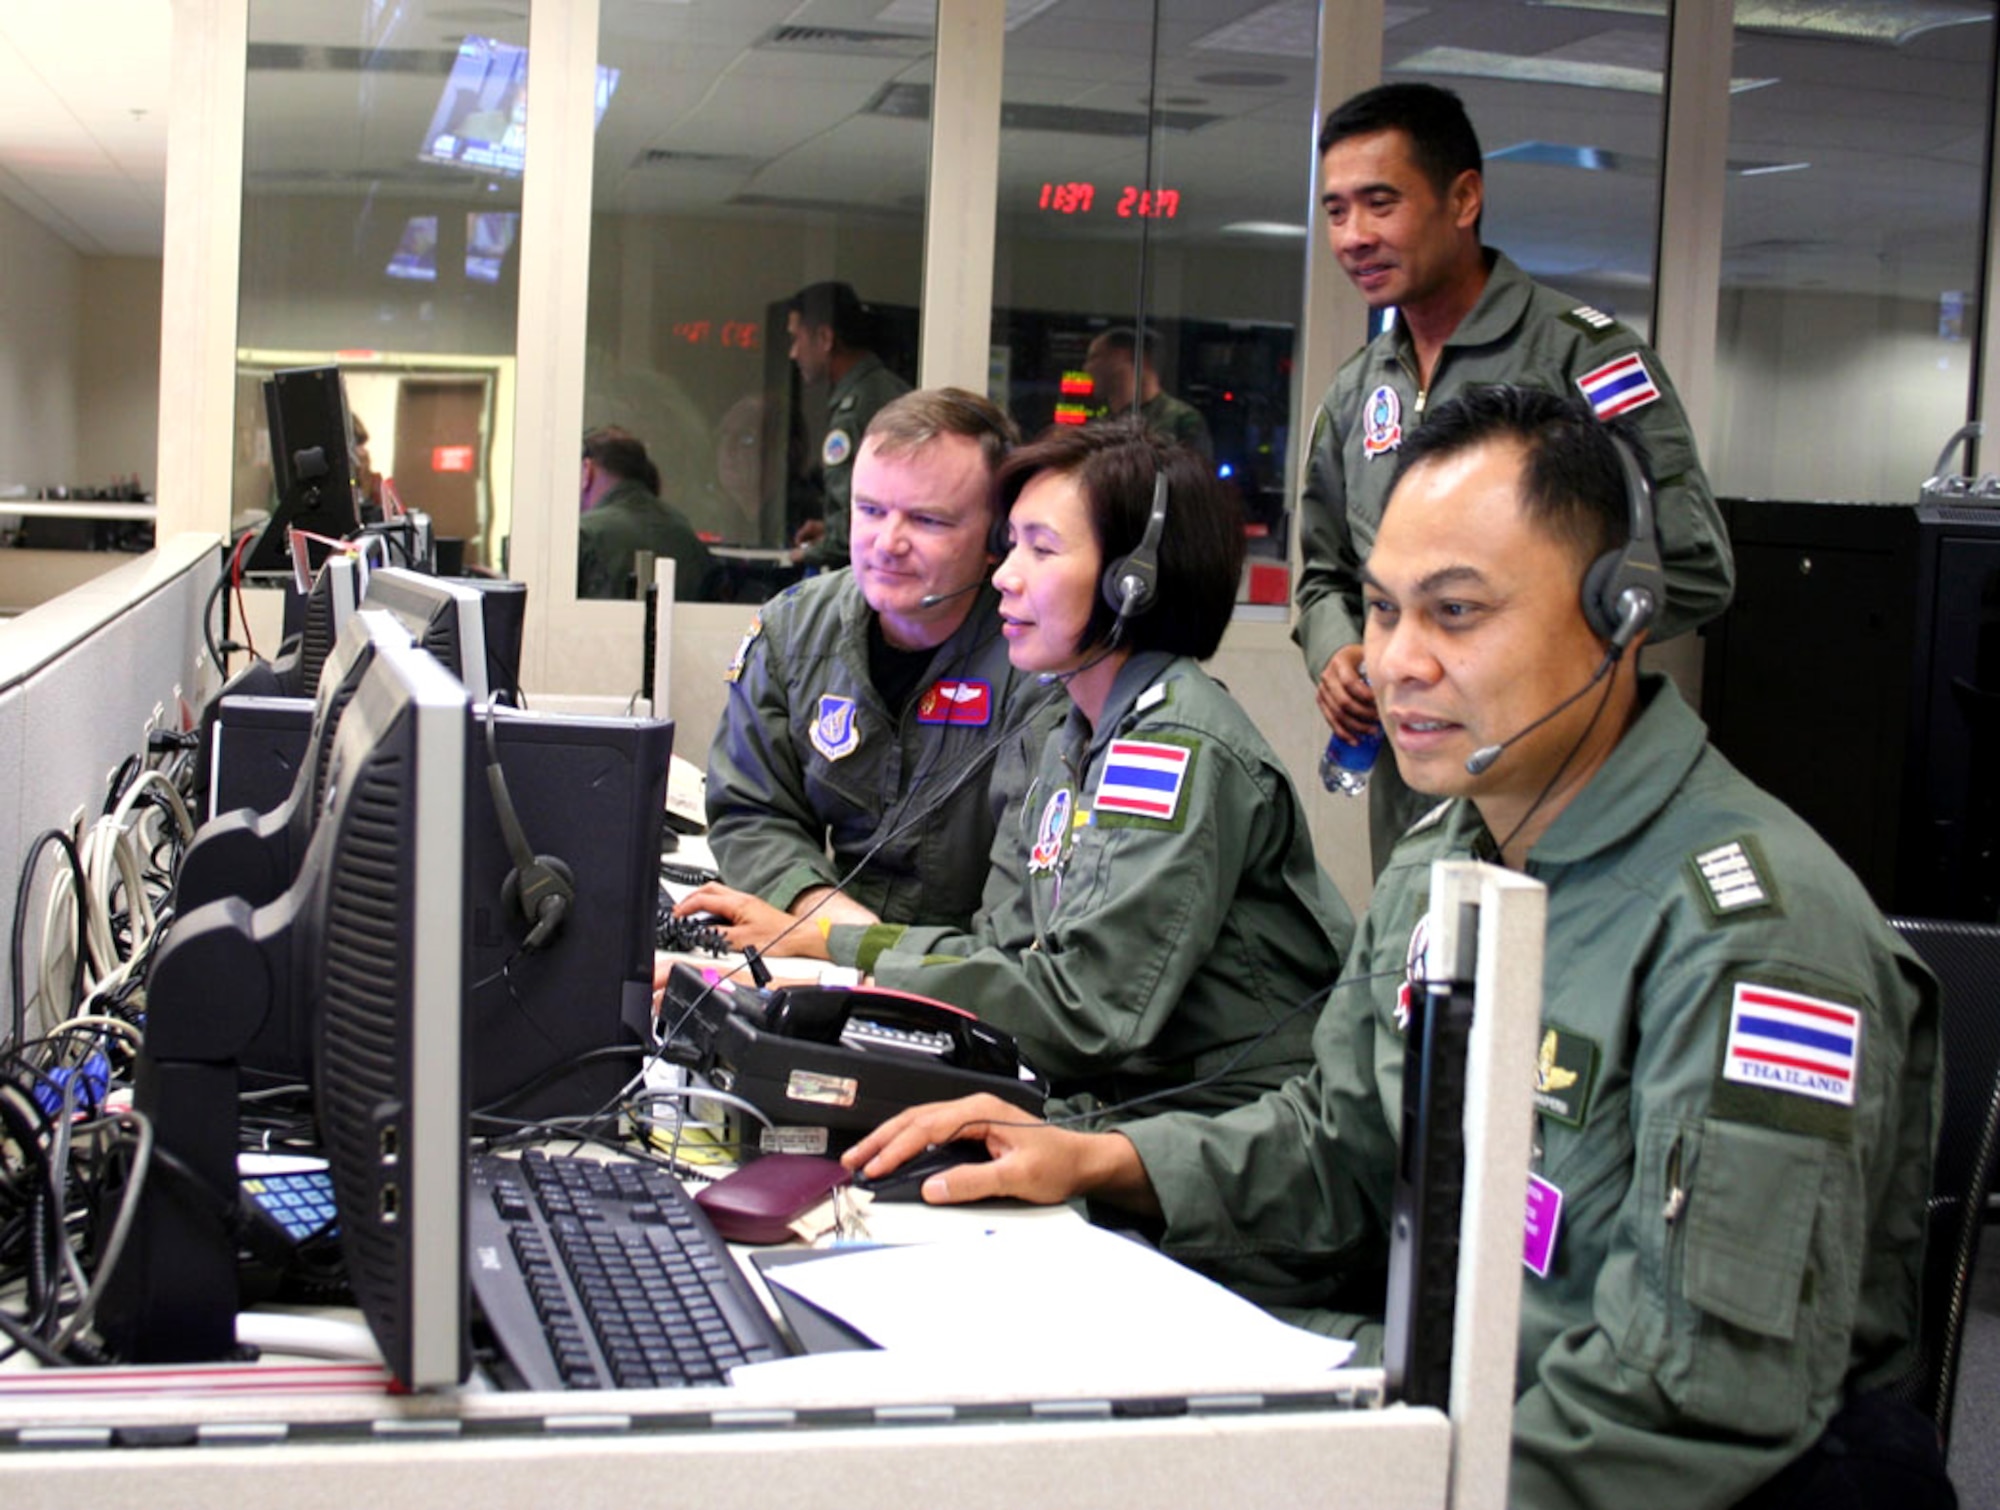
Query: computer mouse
(906, 1181)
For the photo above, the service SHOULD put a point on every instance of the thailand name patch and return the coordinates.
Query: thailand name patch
(957, 702)
(1142, 779)
(1382, 422)
(1619, 387)
(1784, 1041)
(834, 733)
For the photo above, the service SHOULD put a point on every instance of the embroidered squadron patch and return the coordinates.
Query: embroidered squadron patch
(835, 733)
(957, 702)
(838, 447)
(1416, 968)
(1619, 386)
(1382, 421)
(1730, 879)
(735, 668)
(1786, 1041)
(1143, 778)
(1564, 1071)
(1051, 833)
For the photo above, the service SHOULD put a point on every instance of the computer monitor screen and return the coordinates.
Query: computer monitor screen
(312, 464)
(443, 616)
(415, 258)
(489, 236)
(381, 941)
(481, 120)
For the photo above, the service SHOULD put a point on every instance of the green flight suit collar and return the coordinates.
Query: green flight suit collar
(843, 391)
(627, 496)
(1502, 305)
(1630, 788)
(982, 621)
(1139, 672)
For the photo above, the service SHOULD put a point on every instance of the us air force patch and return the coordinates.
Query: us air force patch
(1783, 1040)
(1382, 422)
(839, 446)
(735, 668)
(834, 733)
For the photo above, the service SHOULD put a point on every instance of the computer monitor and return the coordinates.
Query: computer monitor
(254, 856)
(444, 617)
(312, 465)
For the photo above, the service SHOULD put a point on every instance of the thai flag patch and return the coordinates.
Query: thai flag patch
(1782, 1041)
(1142, 780)
(1619, 387)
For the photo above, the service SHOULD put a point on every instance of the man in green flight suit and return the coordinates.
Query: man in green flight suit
(1403, 195)
(1738, 1081)
(623, 515)
(831, 334)
(1122, 378)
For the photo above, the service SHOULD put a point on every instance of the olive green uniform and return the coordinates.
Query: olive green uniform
(1519, 332)
(628, 519)
(862, 390)
(808, 756)
(1736, 1245)
(1179, 421)
(1172, 923)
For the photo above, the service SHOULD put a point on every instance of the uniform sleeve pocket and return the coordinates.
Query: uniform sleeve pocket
(1750, 1220)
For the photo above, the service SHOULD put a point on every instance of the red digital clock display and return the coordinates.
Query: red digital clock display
(1133, 203)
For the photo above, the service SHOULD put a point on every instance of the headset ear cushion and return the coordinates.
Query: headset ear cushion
(1600, 593)
(548, 879)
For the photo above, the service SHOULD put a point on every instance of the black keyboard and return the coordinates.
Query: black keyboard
(598, 1275)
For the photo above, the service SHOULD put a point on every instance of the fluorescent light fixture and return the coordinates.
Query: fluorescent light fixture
(1475, 63)
(1557, 155)
(923, 13)
(1761, 169)
(1288, 29)
(1888, 22)
(1276, 229)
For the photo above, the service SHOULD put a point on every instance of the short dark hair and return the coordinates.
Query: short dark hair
(1442, 141)
(1201, 546)
(622, 454)
(1128, 342)
(1572, 483)
(837, 307)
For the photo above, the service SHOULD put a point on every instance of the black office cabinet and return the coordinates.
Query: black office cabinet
(1857, 676)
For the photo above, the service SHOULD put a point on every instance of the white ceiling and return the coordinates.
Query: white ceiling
(1894, 135)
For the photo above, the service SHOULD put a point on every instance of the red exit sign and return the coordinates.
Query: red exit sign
(1133, 202)
(451, 458)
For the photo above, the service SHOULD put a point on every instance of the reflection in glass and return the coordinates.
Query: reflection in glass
(1851, 253)
(371, 241)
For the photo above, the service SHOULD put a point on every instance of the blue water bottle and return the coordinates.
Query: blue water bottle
(1345, 766)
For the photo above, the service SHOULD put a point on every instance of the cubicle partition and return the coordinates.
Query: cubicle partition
(82, 680)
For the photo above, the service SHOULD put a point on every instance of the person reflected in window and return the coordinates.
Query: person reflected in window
(1121, 381)
(624, 514)
(832, 336)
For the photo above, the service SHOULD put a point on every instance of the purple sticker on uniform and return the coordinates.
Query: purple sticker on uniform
(1545, 1209)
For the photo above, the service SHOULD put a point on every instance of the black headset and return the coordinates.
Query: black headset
(541, 889)
(1133, 580)
(1623, 588)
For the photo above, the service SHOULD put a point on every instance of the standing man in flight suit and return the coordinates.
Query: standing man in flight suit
(1403, 196)
(1738, 1086)
(831, 335)
(873, 714)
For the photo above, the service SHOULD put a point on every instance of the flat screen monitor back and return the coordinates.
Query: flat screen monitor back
(312, 464)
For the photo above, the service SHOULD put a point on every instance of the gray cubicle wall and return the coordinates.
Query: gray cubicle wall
(80, 678)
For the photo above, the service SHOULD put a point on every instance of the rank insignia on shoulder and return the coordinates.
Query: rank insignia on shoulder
(835, 733)
(734, 670)
(1564, 1070)
(1143, 782)
(1730, 879)
(1382, 422)
(838, 447)
(1596, 321)
(1428, 819)
(1152, 697)
(1787, 1041)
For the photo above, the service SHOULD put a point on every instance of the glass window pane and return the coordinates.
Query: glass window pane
(1157, 175)
(1851, 248)
(1567, 101)
(381, 205)
(745, 158)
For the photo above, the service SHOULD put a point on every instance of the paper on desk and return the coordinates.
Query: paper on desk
(1065, 1290)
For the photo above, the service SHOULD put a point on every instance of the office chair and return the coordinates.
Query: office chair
(1966, 959)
